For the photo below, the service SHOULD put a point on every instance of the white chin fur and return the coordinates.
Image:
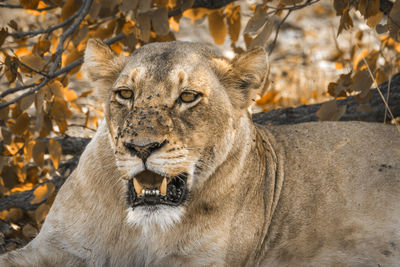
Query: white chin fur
(161, 217)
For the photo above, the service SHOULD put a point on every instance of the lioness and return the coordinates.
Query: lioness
(179, 175)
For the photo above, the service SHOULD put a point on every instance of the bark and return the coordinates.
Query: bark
(76, 145)
(306, 113)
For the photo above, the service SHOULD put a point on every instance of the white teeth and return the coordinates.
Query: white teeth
(163, 187)
(150, 192)
(138, 187)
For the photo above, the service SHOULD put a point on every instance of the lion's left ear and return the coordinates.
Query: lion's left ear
(102, 66)
(244, 76)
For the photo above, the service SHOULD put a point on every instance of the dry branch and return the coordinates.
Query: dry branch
(306, 113)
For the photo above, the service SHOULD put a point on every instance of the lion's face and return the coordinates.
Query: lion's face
(171, 119)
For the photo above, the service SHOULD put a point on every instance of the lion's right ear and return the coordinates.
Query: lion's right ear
(244, 77)
(102, 66)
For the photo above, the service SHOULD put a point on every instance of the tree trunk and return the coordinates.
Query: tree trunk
(306, 113)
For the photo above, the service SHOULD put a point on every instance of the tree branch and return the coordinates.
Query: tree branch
(211, 4)
(307, 113)
(20, 7)
(16, 89)
(277, 32)
(83, 11)
(48, 30)
(64, 70)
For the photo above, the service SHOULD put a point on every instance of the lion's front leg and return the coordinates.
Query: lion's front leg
(44, 255)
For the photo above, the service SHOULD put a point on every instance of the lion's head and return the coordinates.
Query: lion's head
(173, 111)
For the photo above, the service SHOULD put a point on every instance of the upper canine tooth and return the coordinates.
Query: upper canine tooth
(138, 187)
(163, 187)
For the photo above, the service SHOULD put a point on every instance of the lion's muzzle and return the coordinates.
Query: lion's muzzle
(143, 151)
(150, 188)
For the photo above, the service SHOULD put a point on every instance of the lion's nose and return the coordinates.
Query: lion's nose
(143, 151)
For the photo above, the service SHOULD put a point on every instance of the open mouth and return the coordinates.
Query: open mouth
(148, 189)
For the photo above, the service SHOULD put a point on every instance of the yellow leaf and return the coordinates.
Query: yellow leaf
(374, 20)
(394, 21)
(22, 187)
(128, 28)
(117, 47)
(32, 61)
(339, 6)
(54, 148)
(26, 102)
(268, 98)
(60, 112)
(3, 35)
(22, 51)
(28, 149)
(69, 8)
(128, 5)
(143, 27)
(217, 26)
(29, 231)
(174, 23)
(87, 120)
(54, 88)
(4, 113)
(256, 21)
(345, 21)
(86, 93)
(234, 23)
(21, 124)
(196, 13)
(262, 37)
(72, 56)
(105, 30)
(14, 147)
(330, 111)
(41, 212)
(41, 5)
(29, 4)
(368, 8)
(70, 95)
(38, 153)
(46, 127)
(381, 76)
(362, 81)
(159, 20)
(144, 6)
(6, 135)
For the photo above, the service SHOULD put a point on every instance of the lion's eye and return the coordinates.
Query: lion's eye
(125, 93)
(188, 97)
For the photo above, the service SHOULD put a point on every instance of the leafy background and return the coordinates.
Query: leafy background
(319, 51)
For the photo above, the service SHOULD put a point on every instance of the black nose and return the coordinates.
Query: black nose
(143, 151)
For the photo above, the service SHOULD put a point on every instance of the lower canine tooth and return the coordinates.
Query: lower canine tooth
(163, 187)
(138, 187)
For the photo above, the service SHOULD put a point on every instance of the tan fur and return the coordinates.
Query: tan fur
(312, 194)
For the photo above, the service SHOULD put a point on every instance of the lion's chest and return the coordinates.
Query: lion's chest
(166, 249)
